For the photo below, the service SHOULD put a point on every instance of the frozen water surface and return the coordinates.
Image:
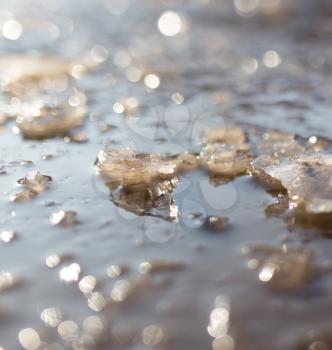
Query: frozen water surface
(211, 93)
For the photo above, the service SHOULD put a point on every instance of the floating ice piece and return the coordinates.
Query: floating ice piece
(307, 180)
(25, 68)
(35, 181)
(275, 147)
(281, 269)
(225, 160)
(47, 121)
(64, 218)
(188, 161)
(34, 184)
(141, 183)
(152, 200)
(128, 167)
(230, 135)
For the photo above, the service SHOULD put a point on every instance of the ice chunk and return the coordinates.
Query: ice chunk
(188, 161)
(64, 218)
(128, 167)
(272, 153)
(225, 160)
(230, 135)
(24, 68)
(141, 183)
(154, 199)
(35, 181)
(307, 180)
(281, 268)
(47, 121)
(34, 184)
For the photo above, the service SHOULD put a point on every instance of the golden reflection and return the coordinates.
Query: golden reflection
(7, 236)
(52, 260)
(152, 81)
(114, 271)
(64, 218)
(249, 65)
(246, 8)
(93, 325)
(99, 53)
(97, 301)
(6, 280)
(144, 267)
(29, 339)
(51, 316)
(68, 330)
(218, 326)
(121, 290)
(271, 59)
(152, 335)
(170, 23)
(70, 273)
(223, 343)
(12, 29)
(87, 284)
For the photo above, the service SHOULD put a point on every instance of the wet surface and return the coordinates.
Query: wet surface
(236, 270)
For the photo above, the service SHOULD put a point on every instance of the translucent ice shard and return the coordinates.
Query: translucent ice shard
(154, 199)
(46, 121)
(225, 151)
(225, 160)
(307, 180)
(273, 146)
(129, 167)
(187, 161)
(26, 68)
(281, 268)
(34, 183)
(64, 218)
(141, 183)
(230, 135)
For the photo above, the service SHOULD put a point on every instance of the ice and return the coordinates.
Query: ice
(230, 135)
(141, 199)
(281, 268)
(64, 218)
(129, 167)
(225, 160)
(272, 147)
(225, 151)
(141, 183)
(35, 181)
(48, 121)
(188, 161)
(27, 68)
(34, 184)
(307, 179)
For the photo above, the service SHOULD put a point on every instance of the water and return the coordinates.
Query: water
(152, 92)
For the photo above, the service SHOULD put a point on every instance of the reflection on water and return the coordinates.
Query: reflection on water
(89, 264)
